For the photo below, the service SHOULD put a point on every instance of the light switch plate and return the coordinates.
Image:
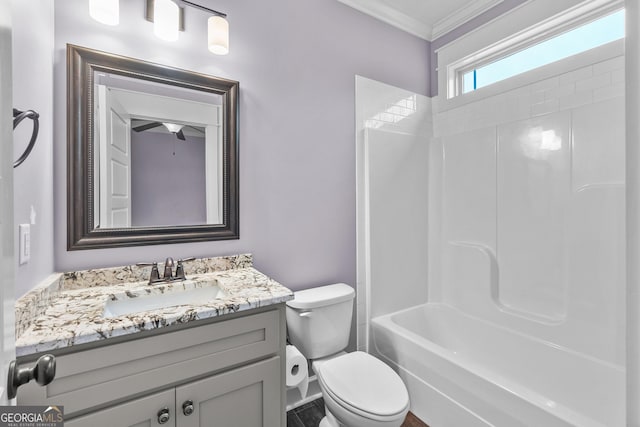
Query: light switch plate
(25, 243)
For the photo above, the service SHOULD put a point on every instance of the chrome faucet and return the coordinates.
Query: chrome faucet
(168, 275)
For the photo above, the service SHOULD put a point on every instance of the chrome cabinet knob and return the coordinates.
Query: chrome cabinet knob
(187, 407)
(163, 416)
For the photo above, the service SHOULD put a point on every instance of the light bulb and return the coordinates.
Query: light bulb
(218, 35)
(166, 20)
(105, 11)
(173, 127)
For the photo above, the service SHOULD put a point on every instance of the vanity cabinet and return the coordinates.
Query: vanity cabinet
(230, 370)
(247, 397)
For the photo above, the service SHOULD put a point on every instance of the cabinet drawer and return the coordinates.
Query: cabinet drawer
(95, 377)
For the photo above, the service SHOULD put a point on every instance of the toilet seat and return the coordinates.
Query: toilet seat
(364, 385)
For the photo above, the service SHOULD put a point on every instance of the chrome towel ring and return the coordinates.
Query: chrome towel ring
(19, 116)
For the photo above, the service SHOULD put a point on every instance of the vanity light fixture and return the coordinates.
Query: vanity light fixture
(168, 20)
(217, 25)
(105, 11)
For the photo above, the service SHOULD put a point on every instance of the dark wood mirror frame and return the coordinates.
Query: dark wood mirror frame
(81, 232)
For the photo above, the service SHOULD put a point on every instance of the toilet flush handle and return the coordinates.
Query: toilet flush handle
(305, 314)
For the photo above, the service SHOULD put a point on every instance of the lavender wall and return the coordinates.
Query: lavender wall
(32, 64)
(296, 62)
(167, 180)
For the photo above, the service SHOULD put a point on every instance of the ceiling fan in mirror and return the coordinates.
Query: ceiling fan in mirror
(174, 128)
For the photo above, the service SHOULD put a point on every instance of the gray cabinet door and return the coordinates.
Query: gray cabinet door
(248, 396)
(143, 412)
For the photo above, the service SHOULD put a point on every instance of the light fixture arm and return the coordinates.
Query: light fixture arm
(206, 9)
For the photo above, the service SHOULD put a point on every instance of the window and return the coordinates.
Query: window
(580, 39)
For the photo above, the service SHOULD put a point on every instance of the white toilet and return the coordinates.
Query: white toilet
(358, 389)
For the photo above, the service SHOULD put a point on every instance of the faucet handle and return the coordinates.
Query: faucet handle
(180, 268)
(147, 264)
(155, 274)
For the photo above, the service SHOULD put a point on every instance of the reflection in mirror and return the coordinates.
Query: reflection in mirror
(152, 153)
(158, 154)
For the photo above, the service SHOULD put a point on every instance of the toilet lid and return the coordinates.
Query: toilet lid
(365, 383)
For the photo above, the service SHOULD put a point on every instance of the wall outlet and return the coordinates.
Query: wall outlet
(25, 243)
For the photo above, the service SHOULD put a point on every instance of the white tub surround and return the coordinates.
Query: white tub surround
(521, 320)
(526, 301)
(68, 309)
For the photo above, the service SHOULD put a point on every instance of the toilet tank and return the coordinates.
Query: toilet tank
(319, 319)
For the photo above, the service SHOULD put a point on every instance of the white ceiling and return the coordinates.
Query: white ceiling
(427, 19)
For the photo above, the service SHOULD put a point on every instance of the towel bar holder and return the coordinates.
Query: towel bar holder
(19, 116)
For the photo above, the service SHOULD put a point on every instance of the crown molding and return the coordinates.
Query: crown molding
(461, 16)
(393, 17)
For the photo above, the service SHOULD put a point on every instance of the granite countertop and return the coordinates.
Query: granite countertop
(67, 309)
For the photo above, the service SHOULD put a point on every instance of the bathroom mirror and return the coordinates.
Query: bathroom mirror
(152, 153)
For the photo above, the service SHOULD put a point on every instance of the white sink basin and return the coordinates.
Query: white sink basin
(194, 296)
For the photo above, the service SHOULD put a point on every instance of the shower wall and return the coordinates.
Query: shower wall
(393, 127)
(527, 209)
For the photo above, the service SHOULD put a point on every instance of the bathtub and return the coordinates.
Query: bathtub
(462, 371)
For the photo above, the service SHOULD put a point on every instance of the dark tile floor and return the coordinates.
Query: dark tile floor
(307, 415)
(310, 414)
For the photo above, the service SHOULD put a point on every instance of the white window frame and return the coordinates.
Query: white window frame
(541, 20)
